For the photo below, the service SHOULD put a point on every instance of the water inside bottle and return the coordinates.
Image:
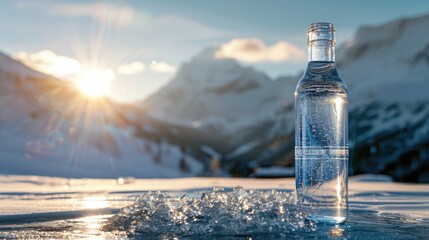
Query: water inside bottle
(321, 152)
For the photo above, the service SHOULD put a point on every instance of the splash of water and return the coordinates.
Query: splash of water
(238, 212)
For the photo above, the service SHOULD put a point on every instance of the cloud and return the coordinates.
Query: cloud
(113, 14)
(162, 67)
(253, 50)
(49, 62)
(131, 68)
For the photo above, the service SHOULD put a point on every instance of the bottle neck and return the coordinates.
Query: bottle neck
(321, 50)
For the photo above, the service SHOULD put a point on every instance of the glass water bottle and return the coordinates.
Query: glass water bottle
(321, 141)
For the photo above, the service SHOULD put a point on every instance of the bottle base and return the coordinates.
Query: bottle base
(327, 219)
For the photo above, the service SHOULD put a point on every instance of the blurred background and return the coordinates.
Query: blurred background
(157, 89)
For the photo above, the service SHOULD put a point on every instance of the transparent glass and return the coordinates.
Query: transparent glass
(321, 137)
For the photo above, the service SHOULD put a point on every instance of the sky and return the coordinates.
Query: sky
(137, 46)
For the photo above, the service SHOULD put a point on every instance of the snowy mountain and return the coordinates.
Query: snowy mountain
(231, 104)
(249, 118)
(237, 111)
(387, 68)
(48, 128)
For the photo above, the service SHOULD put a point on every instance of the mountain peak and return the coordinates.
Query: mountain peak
(205, 71)
(400, 40)
(208, 53)
(208, 90)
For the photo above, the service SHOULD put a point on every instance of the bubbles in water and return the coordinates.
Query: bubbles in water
(219, 212)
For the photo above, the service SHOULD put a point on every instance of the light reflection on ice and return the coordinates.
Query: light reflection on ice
(336, 231)
(92, 223)
(94, 202)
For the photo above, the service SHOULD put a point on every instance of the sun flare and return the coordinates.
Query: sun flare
(95, 83)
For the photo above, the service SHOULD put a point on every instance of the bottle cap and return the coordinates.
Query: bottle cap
(321, 31)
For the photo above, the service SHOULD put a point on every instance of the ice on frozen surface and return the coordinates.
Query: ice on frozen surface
(218, 212)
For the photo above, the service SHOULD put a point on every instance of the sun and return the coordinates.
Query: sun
(95, 83)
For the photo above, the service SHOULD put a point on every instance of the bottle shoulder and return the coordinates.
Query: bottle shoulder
(321, 75)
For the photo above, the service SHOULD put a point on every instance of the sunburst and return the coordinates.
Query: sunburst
(95, 83)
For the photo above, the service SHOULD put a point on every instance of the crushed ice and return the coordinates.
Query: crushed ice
(238, 212)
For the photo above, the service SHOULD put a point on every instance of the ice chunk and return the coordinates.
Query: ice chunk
(219, 212)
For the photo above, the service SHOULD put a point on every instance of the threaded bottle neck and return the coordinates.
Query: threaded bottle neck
(321, 42)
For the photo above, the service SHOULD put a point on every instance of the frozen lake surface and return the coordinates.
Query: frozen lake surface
(45, 207)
